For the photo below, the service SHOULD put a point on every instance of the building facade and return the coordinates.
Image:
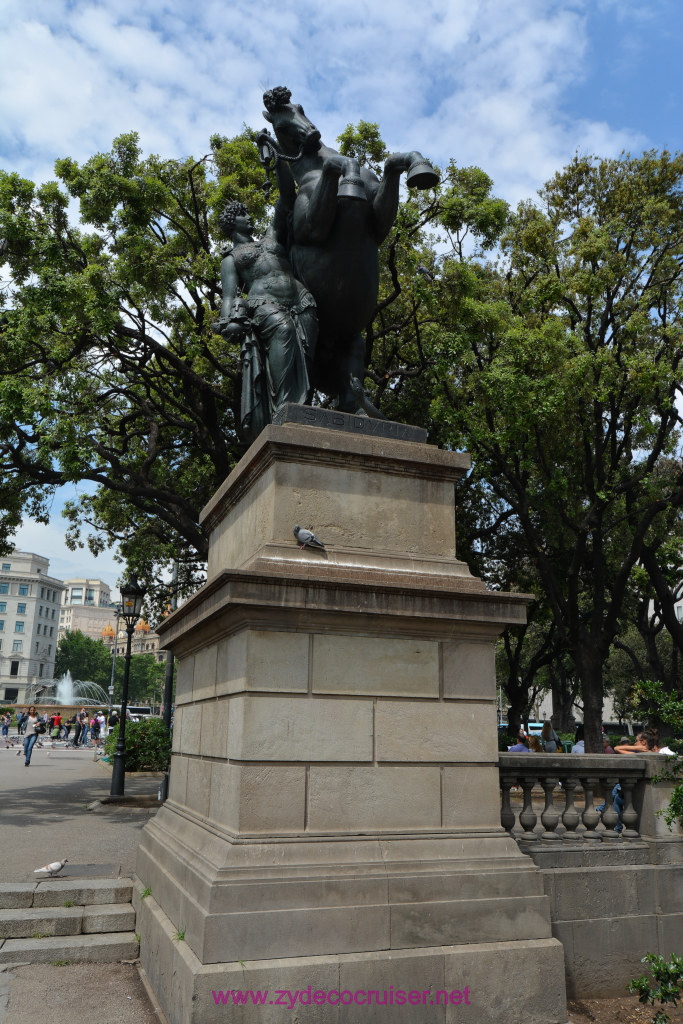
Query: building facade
(30, 600)
(86, 607)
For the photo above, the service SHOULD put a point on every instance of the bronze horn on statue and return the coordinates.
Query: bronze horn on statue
(421, 175)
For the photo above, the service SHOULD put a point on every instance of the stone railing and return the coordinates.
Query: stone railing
(593, 776)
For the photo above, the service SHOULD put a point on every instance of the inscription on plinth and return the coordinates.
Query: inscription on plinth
(332, 419)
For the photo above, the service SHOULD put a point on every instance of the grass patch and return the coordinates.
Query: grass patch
(145, 893)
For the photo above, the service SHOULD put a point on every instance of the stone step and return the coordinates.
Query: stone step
(55, 892)
(107, 948)
(41, 922)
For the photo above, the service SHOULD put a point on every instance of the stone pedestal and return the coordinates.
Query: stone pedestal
(333, 816)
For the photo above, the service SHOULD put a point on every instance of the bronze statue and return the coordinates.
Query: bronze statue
(341, 215)
(275, 322)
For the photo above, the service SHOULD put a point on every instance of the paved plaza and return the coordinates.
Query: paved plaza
(44, 817)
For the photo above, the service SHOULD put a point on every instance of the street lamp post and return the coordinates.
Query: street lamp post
(113, 661)
(132, 597)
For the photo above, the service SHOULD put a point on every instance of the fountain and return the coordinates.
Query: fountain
(69, 691)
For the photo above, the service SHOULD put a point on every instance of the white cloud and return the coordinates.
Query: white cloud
(480, 80)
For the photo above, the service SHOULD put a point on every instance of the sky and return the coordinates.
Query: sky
(513, 86)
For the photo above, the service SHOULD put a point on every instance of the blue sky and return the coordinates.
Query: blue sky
(515, 86)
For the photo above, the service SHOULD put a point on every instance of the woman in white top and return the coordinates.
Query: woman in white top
(30, 734)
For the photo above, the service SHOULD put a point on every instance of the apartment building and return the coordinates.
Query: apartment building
(86, 607)
(30, 600)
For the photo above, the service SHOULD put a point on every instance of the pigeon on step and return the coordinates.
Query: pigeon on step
(51, 869)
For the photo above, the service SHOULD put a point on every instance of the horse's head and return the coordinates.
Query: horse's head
(293, 130)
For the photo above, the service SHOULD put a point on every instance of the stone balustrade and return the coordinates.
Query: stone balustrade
(560, 819)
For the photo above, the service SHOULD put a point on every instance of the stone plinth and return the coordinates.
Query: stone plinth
(334, 801)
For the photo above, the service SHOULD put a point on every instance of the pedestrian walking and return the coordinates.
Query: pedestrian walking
(78, 727)
(31, 733)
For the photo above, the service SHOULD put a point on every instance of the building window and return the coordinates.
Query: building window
(40, 609)
(77, 595)
(17, 646)
(52, 630)
(14, 668)
(41, 671)
(3, 606)
(2, 625)
(37, 646)
(18, 627)
(89, 596)
(6, 566)
(4, 588)
(38, 630)
(49, 650)
(21, 609)
(11, 693)
(23, 590)
(42, 593)
(53, 613)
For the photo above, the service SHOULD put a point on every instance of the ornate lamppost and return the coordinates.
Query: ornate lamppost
(113, 660)
(132, 597)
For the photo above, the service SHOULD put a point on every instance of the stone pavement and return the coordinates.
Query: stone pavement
(43, 817)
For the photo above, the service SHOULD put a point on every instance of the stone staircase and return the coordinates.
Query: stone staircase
(67, 919)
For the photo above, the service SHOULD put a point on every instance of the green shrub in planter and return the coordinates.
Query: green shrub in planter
(148, 746)
(505, 740)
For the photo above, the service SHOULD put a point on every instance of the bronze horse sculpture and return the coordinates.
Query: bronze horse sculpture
(340, 215)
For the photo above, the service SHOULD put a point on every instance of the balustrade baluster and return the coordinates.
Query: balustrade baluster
(507, 815)
(550, 816)
(590, 816)
(570, 815)
(528, 817)
(629, 815)
(610, 816)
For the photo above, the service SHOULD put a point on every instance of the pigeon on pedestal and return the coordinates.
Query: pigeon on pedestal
(307, 539)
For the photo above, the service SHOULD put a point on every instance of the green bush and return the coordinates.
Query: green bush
(148, 746)
(668, 976)
(505, 740)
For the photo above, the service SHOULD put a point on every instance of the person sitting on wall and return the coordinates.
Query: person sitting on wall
(578, 747)
(520, 746)
(645, 743)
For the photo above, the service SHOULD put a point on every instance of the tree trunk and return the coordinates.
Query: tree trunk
(564, 690)
(589, 664)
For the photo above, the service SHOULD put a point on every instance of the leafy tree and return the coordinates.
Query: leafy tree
(559, 374)
(145, 681)
(86, 659)
(109, 369)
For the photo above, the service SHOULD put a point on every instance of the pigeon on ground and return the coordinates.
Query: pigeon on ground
(307, 538)
(51, 869)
